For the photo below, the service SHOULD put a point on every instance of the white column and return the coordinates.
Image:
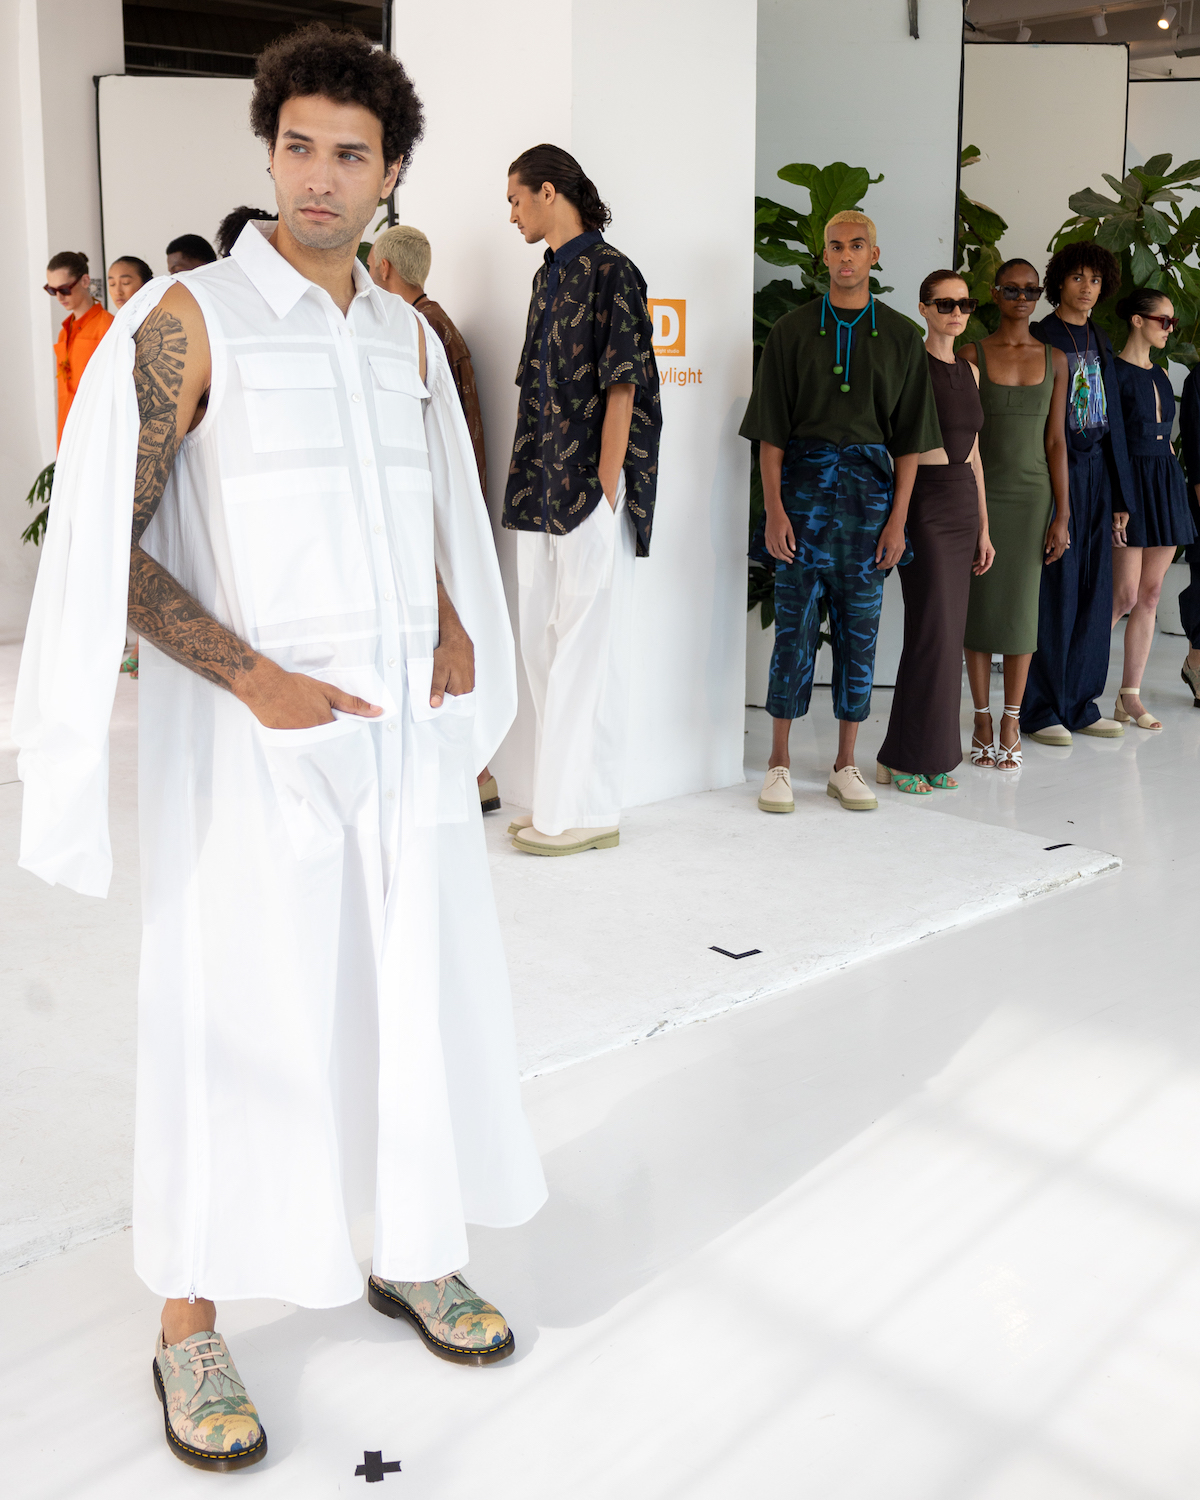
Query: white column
(49, 51)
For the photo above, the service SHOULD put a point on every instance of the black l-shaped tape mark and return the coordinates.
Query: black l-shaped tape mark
(1048, 847)
(749, 953)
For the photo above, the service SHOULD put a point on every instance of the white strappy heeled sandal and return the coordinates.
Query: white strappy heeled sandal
(983, 754)
(1005, 752)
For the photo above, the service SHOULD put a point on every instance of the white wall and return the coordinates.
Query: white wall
(212, 160)
(846, 82)
(1048, 121)
(49, 51)
(542, 72)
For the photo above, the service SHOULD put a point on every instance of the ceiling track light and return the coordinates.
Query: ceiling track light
(1168, 15)
(1099, 24)
(1023, 32)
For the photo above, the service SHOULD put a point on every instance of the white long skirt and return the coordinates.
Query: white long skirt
(325, 1022)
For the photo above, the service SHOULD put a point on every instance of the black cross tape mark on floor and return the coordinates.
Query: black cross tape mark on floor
(1048, 847)
(373, 1468)
(749, 953)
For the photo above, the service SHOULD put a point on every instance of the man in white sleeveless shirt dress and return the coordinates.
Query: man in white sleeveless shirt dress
(324, 1016)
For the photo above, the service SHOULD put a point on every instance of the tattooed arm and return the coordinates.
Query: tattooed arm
(171, 374)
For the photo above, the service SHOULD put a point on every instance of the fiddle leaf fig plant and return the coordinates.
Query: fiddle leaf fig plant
(787, 238)
(979, 229)
(39, 495)
(1146, 228)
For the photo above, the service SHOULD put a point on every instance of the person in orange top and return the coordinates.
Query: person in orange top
(85, 325)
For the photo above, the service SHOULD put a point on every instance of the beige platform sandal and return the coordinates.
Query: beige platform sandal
(1009, 757)
(1143, 721)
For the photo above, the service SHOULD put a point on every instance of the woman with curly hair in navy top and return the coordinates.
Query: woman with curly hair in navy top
(1159, 519)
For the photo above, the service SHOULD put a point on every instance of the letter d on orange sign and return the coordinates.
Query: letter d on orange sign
(669, 316)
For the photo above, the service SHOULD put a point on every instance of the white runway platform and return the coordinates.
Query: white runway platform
(605, 949)
(923, 1226)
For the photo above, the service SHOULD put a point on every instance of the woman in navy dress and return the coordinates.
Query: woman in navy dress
(1159, 518)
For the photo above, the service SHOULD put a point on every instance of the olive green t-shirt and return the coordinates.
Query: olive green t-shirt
(797, 396)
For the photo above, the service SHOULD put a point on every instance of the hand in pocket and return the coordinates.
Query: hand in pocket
(279, 699)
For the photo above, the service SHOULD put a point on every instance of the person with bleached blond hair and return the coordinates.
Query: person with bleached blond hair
(399, 262)
(842, 406)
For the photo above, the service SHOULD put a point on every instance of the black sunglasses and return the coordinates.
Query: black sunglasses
(946, 305)
(1015, 293)
(61, 291)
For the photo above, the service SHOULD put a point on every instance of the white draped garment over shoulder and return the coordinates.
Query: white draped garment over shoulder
(324, 1015)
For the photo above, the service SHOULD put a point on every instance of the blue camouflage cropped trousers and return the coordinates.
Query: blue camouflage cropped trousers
(838, 501)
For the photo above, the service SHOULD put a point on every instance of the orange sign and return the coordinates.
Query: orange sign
(669, 316)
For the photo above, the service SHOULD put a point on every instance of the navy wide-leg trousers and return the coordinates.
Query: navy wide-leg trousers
(1070, 666)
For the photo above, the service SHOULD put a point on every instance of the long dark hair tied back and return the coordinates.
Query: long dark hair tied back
(546, 163)
(1140, 303)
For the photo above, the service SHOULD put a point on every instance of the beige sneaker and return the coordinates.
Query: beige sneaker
(1104, 729)
(570, 841)
(776, 794)
(1052, 734)
(524, 821)
(851, 790)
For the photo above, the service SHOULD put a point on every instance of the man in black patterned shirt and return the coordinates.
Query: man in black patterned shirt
(581, 490)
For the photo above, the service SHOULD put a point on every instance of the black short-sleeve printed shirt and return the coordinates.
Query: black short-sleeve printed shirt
(589, 331)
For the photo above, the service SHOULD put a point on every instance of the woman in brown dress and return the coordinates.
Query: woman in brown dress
(948, 531)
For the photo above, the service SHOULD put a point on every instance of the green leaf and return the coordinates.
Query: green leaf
(1157, 166)
(802, 173)
(1116, 233)
(1130, 189)
(837, 188)
(780, 255)
(1092, 205)
(969, 156)
(1182, 174)
(1142, 263)
(985, 223)
(1156, 229)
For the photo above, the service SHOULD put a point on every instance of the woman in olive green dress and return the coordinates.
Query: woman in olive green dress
(1023, 388)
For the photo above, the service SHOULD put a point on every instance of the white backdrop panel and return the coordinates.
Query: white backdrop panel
(1048, 121)
(846, 82)
(1164, 115)
(206, 163)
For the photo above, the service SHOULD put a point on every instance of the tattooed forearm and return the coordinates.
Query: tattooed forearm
(164, 612)
(160, 608)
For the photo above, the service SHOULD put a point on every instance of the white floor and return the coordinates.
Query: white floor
(794, 896)
(924, 1228)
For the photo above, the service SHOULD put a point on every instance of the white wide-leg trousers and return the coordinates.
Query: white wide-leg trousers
(575, 603)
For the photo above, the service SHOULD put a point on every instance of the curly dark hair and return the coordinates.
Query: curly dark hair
(234, 222)
(342, 66)
(1083, 255)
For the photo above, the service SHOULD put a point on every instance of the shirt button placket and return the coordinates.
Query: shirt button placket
(352, 364)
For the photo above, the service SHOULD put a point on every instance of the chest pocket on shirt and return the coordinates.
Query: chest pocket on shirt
(399, 396)
(291, 401)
